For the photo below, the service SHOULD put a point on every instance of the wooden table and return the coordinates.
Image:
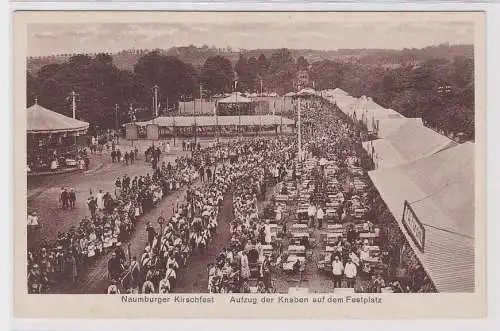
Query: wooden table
(296, 249)
(368, 235)
(335, 226)
(295, 258)
(331, 249)
(298, 226)
(300, 234)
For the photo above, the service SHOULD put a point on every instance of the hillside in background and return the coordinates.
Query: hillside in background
(435, 83)
(196, 56)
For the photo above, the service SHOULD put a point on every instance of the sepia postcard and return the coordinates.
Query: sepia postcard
(319, 165)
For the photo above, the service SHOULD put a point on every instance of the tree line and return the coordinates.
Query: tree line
(440, 90)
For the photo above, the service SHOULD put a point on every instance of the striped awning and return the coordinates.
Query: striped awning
(201, 121)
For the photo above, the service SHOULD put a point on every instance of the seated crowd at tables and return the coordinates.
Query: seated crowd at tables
(331, 136)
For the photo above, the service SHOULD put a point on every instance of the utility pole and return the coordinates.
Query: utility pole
(116, 128)
(299, 139)
(261, 88)
(155, 100)
(237, 106)
(132, 117)
(73, 103)
(195, 115)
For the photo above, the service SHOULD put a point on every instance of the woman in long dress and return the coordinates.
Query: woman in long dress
(245, 267)
(100, 200)
(267, 232)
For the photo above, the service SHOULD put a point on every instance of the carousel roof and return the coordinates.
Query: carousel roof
(43, 120)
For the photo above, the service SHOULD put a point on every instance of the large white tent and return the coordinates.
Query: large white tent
(386, 126)
(344, 102)
(372, 117)
(410, 142)
(362, 107)
(440, 190)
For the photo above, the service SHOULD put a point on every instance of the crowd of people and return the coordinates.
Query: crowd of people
(250, 231)
(111, 222)
(245, 168)
(194, 223)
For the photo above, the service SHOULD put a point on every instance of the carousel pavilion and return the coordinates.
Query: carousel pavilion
(51, 139)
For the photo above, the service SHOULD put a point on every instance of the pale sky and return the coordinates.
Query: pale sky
(58, 38)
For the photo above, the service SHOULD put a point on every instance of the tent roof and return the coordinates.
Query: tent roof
(290, 94)
(188, 121)
(373, 115)
(235, 98)
(364, 104)
(388, 125)
(413, 141)
(440, 189)
(344, 102)
(339, 91)
(385, 153)
(408, 142)
(43, 120)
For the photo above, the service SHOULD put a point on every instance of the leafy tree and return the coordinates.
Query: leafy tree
(217, 75)
(247, 70)
(302, 63)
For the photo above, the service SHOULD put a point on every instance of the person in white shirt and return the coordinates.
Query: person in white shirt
(267, 232)
(320, 214)
(279, 213)
(32, 220)
(354, 258)
(364, 254)
(100, 200)
(337, 271)
(164, 286)
(311, 212)
(350, 273)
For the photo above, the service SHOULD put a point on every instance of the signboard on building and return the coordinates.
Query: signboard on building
(152, 132)
(413, 226)
(131, 131)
